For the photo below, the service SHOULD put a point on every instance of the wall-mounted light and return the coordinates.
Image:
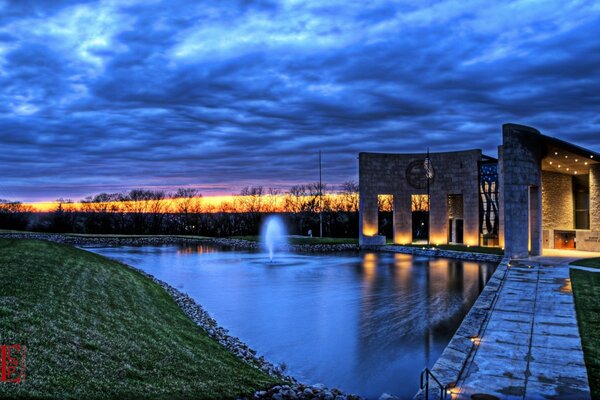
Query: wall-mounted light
(567, 169)
(558, 165)
(576, 160)
(550, 162)
(575, 172)
(591, 156)
(586, 163)
(566, 156)
(556, 153)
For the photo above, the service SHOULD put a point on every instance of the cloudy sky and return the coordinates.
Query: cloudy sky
(111, 95)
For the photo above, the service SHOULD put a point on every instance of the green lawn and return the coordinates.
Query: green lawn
(586, 289)
(588, 262)
(97, 329)
(305, 240)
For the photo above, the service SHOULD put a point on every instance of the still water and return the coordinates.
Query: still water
(366, 323)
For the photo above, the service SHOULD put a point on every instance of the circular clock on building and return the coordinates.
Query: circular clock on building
(416, 174)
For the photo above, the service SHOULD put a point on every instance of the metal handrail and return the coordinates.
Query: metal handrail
(425, 374)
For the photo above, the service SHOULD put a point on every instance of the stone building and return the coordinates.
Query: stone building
(541, 192)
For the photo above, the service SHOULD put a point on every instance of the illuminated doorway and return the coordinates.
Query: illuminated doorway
(420, 218)
(455, 219)
(385, 214)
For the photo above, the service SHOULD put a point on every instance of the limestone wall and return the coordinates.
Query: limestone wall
(455, 207)
(595, 197)
(588, 240)
(455, 173)
(557, 201)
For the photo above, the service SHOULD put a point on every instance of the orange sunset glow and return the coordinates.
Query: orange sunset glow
(211, 204)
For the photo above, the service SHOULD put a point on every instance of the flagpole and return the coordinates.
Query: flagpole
(320, 199)
(428, 200)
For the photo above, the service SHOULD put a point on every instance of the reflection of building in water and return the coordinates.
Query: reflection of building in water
(415, 301)
(541, 192)
(198, 249)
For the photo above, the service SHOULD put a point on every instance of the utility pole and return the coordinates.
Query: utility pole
(320, 198)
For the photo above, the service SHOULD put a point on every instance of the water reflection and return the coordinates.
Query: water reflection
(366, 323)
(198, 249)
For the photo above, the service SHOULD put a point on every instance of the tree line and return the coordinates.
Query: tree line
(186, 212)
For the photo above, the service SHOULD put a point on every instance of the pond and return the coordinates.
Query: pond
(366, 323)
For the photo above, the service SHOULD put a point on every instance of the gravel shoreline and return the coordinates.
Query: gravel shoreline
(236, 244)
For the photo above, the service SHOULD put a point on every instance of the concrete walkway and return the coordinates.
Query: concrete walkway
(530, 347)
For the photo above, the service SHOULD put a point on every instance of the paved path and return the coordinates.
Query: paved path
(530, 347)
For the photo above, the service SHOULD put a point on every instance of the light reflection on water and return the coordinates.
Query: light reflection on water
(365, 323)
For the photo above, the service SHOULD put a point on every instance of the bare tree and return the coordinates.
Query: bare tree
(187, 207)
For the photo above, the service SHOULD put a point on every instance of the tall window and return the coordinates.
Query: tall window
(581, 200)
(489, 218)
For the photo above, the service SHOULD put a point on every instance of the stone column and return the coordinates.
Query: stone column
(369, 217)
(438, 217)
(500, 199)
(521, 169)
(595, 197)
(535, 220)
(402, 218)
(471, 212)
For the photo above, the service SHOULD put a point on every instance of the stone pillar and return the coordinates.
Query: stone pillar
(471, 213)
(595, 197)
(500, 199)
(438, 217)
(535, 220)
(521, 169)
(402, 218)
(369, 216)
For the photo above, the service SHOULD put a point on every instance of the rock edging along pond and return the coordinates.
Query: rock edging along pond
(449, 366)
(115, 240)
(429, 252)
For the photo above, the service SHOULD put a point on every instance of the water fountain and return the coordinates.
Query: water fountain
(273, 235)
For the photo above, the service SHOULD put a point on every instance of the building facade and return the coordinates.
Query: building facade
(540, 192)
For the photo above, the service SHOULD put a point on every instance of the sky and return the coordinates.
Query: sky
(106, 96)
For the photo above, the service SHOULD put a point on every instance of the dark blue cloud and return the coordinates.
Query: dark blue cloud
(110, 95)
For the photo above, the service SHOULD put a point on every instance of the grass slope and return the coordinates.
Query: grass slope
(588, 262)
(97, 329)
(586, 289)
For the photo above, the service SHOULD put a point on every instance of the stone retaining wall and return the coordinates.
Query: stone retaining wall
(429, 252)
(451, 363)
